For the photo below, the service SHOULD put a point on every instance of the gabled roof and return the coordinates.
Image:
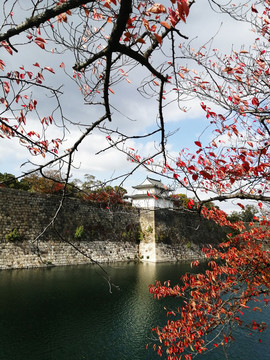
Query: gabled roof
(145, 196)
(152, 183)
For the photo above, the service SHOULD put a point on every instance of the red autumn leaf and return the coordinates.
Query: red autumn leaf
(241, 205)
(185, 4)
(49, 69)
(255, 101)
(140, 40)
(146, 24)
(40, 76)
(157, 9)
(173, 17)
(246, 166)
(253, 9)
(256, 308)
(190, 203)
(198, 143)
(260, 205)
(40, 44)
(30, 74)
(169, 167)
(227, 69)
(158, 37)
(183, 9)
(40, 39)
(2, 64)
(206, 175)
(7, 47)
(181, 75)
(87, 12)
(165, 24)
(6, 87)
(61, 17)
(107, 5)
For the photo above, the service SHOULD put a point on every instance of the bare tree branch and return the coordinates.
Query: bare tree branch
(39, 19)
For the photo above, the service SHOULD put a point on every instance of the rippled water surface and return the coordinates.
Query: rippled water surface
(67, 313)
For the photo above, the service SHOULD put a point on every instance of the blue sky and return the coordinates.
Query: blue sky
(202, 24)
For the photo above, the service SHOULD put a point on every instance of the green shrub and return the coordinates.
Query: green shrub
(79, 232)
(141, 235)
(14, 235)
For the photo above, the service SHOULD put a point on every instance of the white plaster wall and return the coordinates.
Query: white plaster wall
(144, 203)
(152, 202)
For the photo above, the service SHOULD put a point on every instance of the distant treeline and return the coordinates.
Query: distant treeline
(51, 182)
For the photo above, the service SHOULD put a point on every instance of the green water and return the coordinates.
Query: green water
(67, 313)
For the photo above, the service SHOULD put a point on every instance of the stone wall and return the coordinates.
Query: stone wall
(175, 235)
(186, 227)
(106, 235)
(24, 254)
(31, 213)
(103, 235)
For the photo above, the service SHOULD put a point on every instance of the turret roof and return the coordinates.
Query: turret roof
(153, 183)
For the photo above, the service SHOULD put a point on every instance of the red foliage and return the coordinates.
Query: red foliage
(107, 196)
(238, 272)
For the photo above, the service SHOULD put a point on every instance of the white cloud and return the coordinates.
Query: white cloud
(87, 160)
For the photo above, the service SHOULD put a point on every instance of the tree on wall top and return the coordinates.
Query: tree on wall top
(108, 40)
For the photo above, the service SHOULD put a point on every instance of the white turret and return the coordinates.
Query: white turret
(151, 194)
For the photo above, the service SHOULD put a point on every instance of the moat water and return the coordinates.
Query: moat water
(68, 313)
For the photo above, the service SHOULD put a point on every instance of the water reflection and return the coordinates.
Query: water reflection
(68, 313)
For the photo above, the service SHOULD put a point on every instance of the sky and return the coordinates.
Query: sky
(202, 24)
